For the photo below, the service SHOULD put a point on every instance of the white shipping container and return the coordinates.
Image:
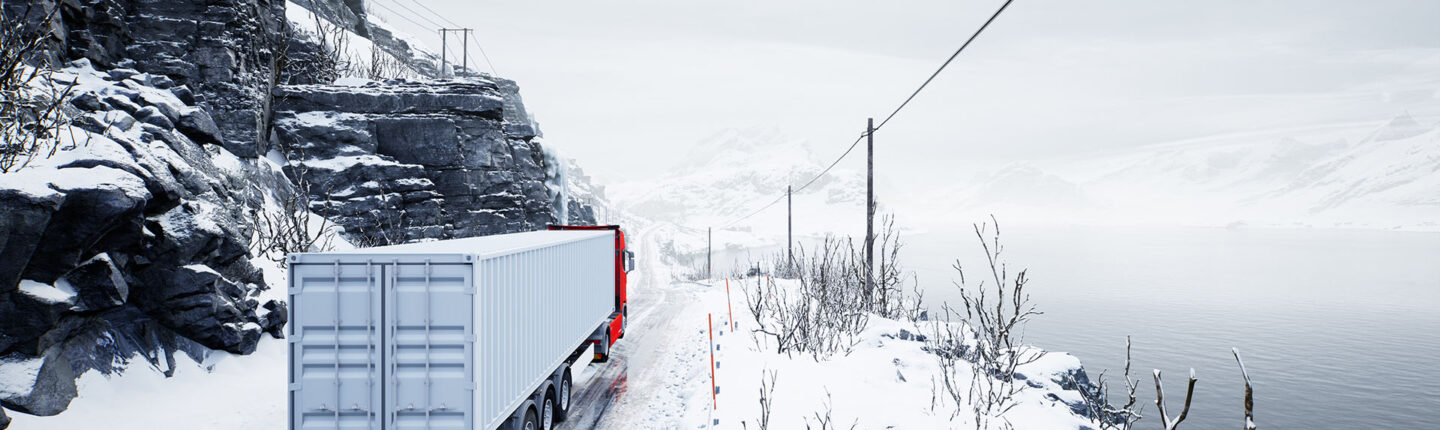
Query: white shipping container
(441, 335)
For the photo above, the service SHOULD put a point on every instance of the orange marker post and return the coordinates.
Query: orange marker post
(711, 322)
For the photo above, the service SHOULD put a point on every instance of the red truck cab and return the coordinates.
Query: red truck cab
(624, 262)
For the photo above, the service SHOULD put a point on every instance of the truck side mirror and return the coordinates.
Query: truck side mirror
(629, 261)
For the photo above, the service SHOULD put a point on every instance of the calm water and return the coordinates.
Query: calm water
(1338, 329)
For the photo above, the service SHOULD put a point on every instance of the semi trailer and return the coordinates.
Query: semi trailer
(476, 333)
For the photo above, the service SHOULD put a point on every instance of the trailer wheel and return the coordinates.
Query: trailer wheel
(562, 405)
(531, 421)
(547, 412)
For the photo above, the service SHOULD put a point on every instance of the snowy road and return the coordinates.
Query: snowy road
(659, 367)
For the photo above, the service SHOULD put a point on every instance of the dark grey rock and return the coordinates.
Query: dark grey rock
(184, 93)
(49, 393)
(90, 214)
(99, 284)
(152, 115)
(198, 125)
(419, 140)
(122, 74)
(199, 303)
(89, 102)
(4, 420)
(273, 322)
(24, 318)
(122, 103)
(23, 219)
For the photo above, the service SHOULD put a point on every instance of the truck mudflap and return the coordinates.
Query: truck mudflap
(605, 336)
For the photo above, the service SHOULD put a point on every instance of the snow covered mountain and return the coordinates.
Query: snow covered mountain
(1364, 175)
(735, 172)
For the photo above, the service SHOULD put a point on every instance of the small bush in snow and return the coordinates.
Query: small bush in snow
(833, 302)
(31, 102)
(991, 336)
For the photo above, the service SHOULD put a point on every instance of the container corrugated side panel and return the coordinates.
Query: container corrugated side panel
(534, 307)
(334, 341)
(430, 316)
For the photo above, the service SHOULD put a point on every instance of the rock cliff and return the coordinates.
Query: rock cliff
(133, 241)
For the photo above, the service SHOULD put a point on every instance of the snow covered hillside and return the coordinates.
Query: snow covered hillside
(1366, 175)
(734, 172)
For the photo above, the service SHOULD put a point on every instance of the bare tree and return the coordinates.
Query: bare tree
(1171, 424)
(825, 314)
(767, 398)
(826, 422)
(1097, 400)
(384, 66)
(31, 100)
(1249, 392)
(992, 336)
(330, 60)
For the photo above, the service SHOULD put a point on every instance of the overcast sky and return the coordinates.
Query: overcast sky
(628, 86)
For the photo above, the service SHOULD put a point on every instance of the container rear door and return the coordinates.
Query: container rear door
(335, 346)
(430, 346)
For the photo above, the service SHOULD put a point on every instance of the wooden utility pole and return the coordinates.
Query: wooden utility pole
(869, 207)
(789, 230)
(707, 253)
(464, 49)
(443, 39)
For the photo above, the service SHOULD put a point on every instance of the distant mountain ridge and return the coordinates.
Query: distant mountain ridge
(1367, 177)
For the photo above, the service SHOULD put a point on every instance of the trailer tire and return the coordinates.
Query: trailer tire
(562, 402)
(547, 411)
(531, 421)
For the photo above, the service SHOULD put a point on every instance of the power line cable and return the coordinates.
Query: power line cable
(416, 14)
(888, 117)
(398, 15)
(946, 63)
(436, 14)
(475, 41)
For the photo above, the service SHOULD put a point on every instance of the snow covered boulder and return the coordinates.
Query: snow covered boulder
(199, 126)
(26, 213)
(41, 386)
(102, 209)
(29, 312)
(198, 303)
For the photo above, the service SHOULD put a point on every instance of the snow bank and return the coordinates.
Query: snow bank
(889, 380)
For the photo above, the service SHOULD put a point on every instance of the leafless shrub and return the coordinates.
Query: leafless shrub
(31, 101)
(293, 228)
(1171, 424)
(767, 399)
(382, 66)
(824, 315)
(1097, 400)
(826, 422)
(330, 60)
(991, 338)
(832, 303)
(1249, 392)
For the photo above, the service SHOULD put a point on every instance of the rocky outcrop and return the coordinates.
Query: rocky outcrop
(402, 160)
(130, 242)
(222, 50)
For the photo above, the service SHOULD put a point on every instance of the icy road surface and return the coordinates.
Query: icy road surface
(659, 375)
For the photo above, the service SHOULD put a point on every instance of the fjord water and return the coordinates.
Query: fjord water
(1339, 329)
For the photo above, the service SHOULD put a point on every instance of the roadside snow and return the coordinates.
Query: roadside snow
(888, 380)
